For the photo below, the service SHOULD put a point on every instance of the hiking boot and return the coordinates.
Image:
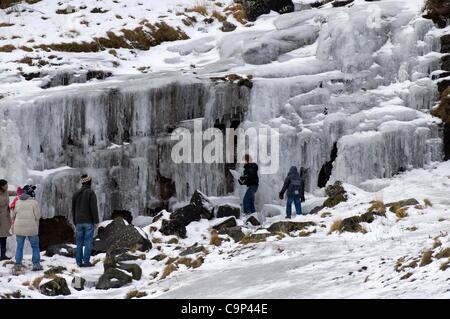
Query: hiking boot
(17, 269)
(288, 217)
(37, 268)
(88, 264)
(5, 258)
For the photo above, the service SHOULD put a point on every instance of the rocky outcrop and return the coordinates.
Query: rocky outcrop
(227, 223)
(54, 231)
(226, 210)
(336, 195)
(194, 249)
(113, 278)
(56, 287)
(200, 201)
(288, 226)
(173, 227)
(252, 220)
(126, 215)
(255, 8)
(117, 235)
(402, 203)
(235, 233)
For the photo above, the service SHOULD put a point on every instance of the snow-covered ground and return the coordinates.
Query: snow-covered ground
(321, 265)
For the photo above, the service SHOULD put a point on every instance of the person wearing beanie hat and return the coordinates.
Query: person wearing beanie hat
(85, 218)
(5, 217)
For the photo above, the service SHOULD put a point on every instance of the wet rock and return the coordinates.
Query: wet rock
(194, 249)
(126, 215)
(402, 203)
(78, 283)
(62, 250)
(228, 223)
(56, 287)
(228, 27)
(202, 202)
(173, 227)
(113, 278)
(336, 195)
(117, 235)
(253, 221)
(235, 233)
(288, 226)
(55, 231)
(226, 210)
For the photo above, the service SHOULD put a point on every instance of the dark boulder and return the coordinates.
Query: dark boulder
(253, 221)
(78, 283)
(56, 287)
(202, 202)
(352, 225)
(316, 209)
(228, 223)
(117, 235)
(54, 231)
(54, 270)
(288, 226)
(234, 232)
(113, 278)
(194, 249)
(126, 215)
(133, 269)
(187, 214)
(341, 3)
(62, 250)
(255, 8)
(226, 210)
(336, 195)
(173, 227)
(228, 26)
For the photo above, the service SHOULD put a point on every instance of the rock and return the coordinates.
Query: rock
(62, 250)
(126, 215)
(402, 203)
(117, 235)
(157, 217)
(288, 226)
(133, 269)
(228, 27)
(341, 3)
(253, 221)
(255, 238)
(56, 287)
(234, 232)
(78, 283)
(173, 227)
(202, 202)
(54, 270)
(113, 278)
(187, 214)
(336, 194)
(255, 8)
(316, 209)
(55, 231)
(226, 210)
(229, 222)
(159, 257)
(352, 225)
(194, 249)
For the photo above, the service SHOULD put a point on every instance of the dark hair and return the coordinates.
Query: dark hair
(88, 183)
(247, 158)
(3, 182)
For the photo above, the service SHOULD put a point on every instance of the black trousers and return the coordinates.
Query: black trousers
(3, 246)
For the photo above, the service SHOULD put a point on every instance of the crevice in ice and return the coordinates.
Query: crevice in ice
(327, 168)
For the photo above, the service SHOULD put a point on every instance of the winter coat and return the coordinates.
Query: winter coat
(250, 176)
(26, 217)
(293, 184)
(5, 215)
(84, 206)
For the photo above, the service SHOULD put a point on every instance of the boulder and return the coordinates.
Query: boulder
(316, 209)
(255, 8)
(226, 210)
(255, 238)
(253, 221)
(56, 287)
(78, 283)
(54, 231)
(113, 278)
(133, 269)
(117, 235)
(352, 225)
(288, 226)
(227, 223)
(234, 232)
(336, 194)
(62, 250)
(194, 249)
(202, 202)
(126, 215)
(402, 203)
(228, 26)
(187, 214)
(173, 227)
(54, 270)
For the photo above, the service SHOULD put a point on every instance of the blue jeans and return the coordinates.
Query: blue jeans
(85, 238)
(34, 241)
(249, 200)
(297, 203)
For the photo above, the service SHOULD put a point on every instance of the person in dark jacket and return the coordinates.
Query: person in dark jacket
(295, 188)
(85, 217)
(251, 180)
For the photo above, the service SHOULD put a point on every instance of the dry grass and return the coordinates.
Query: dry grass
(37, 282)
(173, 241)
(377, 206)
(218, 16)
(26, 49)
(4, 4)
(238, 12)
(7, 48)
(215, 239)
(401, 213)
(198, 262)
(185, 261)
(26, 60)
(426, 258)
(168, 270)
(444, 253)
(5, 24)
(427, 202)
(135, 294)
(336, 226)
(199, 8)
(444, 266)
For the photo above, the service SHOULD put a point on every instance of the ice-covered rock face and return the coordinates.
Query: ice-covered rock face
(356, 77)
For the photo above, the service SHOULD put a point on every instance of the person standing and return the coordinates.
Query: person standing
(251, 180)
(25, 216)
(5, 218)
(85, 218)
(295, 188)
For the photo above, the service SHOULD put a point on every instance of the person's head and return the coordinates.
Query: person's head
(3, 185)
(86, 180)
(247, 158)
(293, 170)
(29, 190)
